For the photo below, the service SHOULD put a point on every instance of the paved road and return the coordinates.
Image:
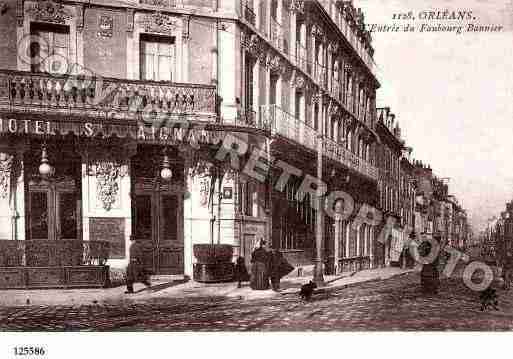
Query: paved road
(394, 304)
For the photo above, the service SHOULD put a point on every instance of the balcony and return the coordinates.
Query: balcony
(102, 98)
(159, 3)
(249, 119)
(288, 126)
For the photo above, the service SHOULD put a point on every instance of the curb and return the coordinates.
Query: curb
(348, 285)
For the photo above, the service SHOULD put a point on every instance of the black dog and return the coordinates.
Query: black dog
(307, 290)
(488, 299)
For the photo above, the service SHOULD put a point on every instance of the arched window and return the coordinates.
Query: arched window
(349, 140)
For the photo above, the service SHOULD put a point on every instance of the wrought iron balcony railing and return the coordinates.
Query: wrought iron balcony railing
(53, 253)
(159, 3)
(290, 127)
(102, 97)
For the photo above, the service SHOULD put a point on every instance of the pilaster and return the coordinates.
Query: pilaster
(106, 197)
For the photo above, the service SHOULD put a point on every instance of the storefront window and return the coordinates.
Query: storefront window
(68, 215)
(38, 215)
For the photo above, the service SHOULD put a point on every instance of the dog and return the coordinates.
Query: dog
(307, 290)
(489, 299)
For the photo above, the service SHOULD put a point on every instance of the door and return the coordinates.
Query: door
(54, 212)
(157, 226)
(53, 216)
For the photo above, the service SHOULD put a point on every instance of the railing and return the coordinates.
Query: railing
(117, 98)
(288, 126)
(339, 153)
(159, 3)
(301, 57)
(53, 253)
(248, 14)
(246, 118)
(276, 34)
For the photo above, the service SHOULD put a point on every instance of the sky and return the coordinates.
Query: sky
(453, 96)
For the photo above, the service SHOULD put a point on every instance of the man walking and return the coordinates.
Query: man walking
(135, 270)
(278, 268)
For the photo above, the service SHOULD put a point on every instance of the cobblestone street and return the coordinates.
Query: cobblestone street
(393, 304)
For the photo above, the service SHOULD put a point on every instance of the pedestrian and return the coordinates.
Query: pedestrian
(429, 275)
(241, 272)
(507, 270)
(260, 267)
(135, 271)
(278, 268)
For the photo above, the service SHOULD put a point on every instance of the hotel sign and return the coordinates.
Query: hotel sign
(180, 133)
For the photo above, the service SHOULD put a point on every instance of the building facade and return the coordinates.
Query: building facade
(112, 114)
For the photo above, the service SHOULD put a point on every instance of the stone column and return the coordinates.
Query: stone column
(292, 97)
(185, 49)
(329, 69)
(292, 39)
(339, 207)
(267, 86)
(227, 70)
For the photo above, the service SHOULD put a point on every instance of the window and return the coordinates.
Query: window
(273, 92)
(316, 117)
(157, 57)
(248, 199)
(299, 112)
(51, 40)
(248, 73)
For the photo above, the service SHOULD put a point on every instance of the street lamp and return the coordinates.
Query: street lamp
(45, 169)
(166, 172)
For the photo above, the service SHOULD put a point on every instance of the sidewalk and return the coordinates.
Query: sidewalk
(183, 290)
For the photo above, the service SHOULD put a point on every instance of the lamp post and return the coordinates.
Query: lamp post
(318, 276)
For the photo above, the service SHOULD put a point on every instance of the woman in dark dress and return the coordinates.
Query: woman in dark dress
(260, 268)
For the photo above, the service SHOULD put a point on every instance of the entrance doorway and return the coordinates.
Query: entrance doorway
(53, 204)
(157, 215)
(53, 227)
